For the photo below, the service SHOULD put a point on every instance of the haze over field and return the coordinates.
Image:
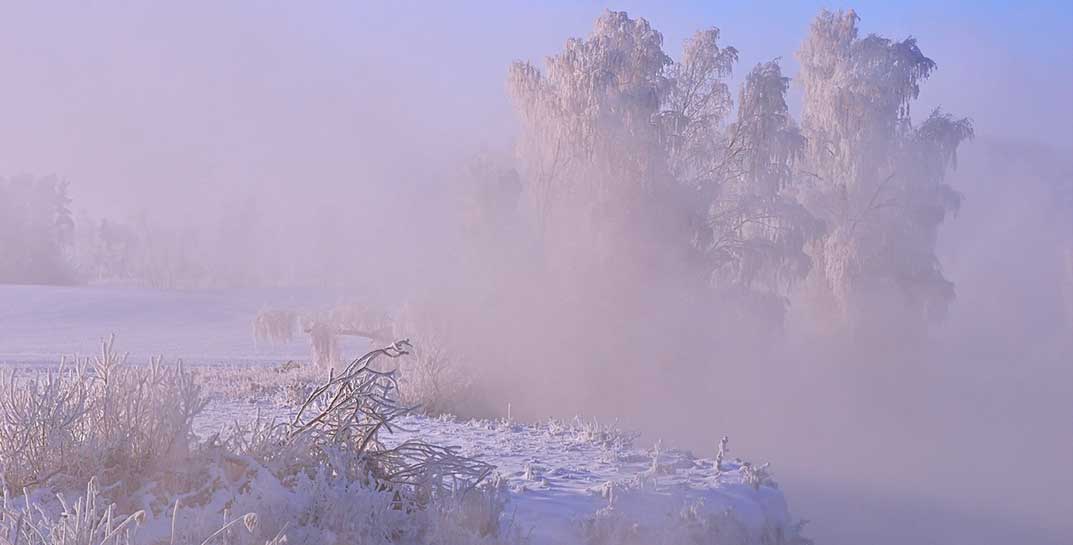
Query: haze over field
(842, 238)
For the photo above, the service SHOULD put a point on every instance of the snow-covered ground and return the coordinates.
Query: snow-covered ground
(570, 479)
(567, 481)
(563, 476)
(39, 324)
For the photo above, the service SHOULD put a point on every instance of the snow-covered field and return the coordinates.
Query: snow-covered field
(39, 324)
(567, 482)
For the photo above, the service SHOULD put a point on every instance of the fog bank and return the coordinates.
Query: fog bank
(377, 152)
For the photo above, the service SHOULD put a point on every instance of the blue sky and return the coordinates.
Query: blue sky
(1007, 65)
(137, 100)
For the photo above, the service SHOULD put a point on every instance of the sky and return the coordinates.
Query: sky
(133, 101)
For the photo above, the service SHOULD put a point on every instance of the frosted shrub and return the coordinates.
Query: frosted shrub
(434, 378)
(92, 521)
(324, 477)
(755, 476)
(275, 326)
(286, 385)
(94, 417)
(412, 492)
(322, 509)
(86, 522)
(610, 436)
(340, 425)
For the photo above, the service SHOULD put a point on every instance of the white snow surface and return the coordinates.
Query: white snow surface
(39, 324)
(562, 474)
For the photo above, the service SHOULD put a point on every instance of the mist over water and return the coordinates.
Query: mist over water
(334, 149)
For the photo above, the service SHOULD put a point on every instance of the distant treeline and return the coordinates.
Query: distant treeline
(43, 242)
(36, 231)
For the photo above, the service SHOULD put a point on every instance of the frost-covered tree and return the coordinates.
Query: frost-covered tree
(635, 157)
(591, 156)
(491, 193)
(36, 230)
(697, 105)
(758, 230)
(632, 157)
(112, 250)
(877, 180)
(142, 251)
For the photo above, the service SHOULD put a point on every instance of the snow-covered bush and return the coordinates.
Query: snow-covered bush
(274, 326)
(338, 427)
(285, 385)
(342, 484)
(84, 523)
(90, 521)
(94, 417)
(607, 435)
(122, 434)
(434, 378)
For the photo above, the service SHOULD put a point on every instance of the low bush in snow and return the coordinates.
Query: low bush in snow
(434, 378)
(122, 436)
(94, 417)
